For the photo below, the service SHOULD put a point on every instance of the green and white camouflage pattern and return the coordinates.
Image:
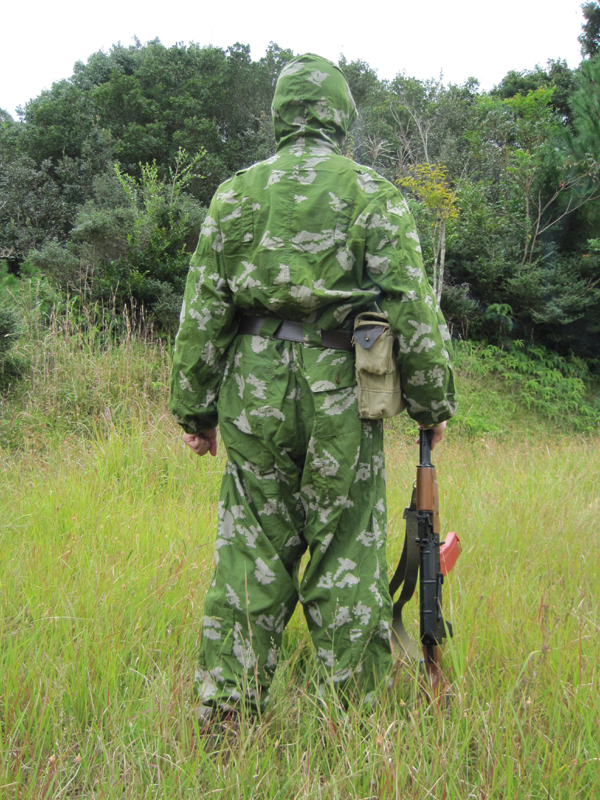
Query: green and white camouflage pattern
(302, 471)
(307, 235)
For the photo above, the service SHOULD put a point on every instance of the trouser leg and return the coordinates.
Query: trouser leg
(252, 597)
(345, 588)
(259, 538)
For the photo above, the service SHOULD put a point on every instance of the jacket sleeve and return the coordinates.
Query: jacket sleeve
(394, 262)
(207, 327)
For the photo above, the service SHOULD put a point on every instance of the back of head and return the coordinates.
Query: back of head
(312, 99)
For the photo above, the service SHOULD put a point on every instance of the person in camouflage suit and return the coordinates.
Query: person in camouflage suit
(312, 237)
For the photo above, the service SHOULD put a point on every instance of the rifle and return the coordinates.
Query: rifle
(423, 555)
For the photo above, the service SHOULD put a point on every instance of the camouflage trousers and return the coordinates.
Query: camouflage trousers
(303, 471)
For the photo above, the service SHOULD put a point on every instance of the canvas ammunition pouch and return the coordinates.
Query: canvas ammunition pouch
(377, 374)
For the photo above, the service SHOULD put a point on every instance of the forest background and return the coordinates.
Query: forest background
(105, 179)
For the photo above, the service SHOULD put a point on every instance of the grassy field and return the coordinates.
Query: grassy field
(106, 532)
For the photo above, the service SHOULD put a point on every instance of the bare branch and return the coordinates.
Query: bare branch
(422, 129)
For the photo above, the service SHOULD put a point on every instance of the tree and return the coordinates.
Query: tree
(540, 185)
(430, 121)
(589, 39)
(137, 105)
(32, 208)
(557, 75)
(429, 183)
(149, 101)
(584, 139)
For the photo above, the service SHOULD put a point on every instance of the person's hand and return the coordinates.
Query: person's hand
(203, 442)
(438, 433)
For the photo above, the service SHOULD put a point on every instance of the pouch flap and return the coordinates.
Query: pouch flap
(367, 335)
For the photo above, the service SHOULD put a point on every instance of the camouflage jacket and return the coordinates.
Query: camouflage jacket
(312, 236)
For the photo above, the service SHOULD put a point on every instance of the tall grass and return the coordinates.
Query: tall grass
(85, 370)
(106, 532)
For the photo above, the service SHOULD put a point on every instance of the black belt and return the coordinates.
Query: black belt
(293, 332)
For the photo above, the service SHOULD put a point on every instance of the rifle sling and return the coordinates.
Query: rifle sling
(406, 575)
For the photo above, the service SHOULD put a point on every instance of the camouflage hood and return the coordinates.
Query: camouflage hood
(312, 99)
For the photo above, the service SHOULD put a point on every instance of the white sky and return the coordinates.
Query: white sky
(462, 38)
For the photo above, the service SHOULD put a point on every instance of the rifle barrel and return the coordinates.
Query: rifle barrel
(425, 439)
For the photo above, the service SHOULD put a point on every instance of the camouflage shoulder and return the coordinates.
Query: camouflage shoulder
(223, 197)
(267, 162)
(362, 168)
(372, 182)
(382, 194)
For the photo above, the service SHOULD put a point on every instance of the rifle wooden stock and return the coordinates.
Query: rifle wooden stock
(428, 497)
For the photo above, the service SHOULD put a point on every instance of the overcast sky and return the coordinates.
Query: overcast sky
(461, 38)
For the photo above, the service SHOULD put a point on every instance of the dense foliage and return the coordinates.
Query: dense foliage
(105, 178)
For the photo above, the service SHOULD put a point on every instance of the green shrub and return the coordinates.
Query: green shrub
(558, 389)
(131, 244)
